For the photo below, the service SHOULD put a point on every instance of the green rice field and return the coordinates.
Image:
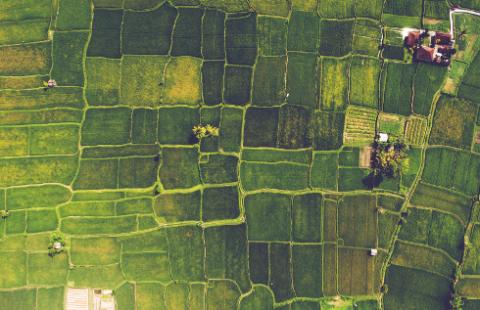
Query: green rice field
(105, 186)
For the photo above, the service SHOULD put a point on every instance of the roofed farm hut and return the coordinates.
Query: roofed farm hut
(413, 38)
(425, 54)
(442, 38)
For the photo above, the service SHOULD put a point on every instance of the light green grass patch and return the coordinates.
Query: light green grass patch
(94, 251)
(334, 83)
(54, 139)
(142, 79)
(13, 269)
(360, 125)
(46, 270)
(391, 124)
(103, 80)
(102, 277)
(183, 81)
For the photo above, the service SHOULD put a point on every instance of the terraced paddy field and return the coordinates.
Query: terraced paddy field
(270, 213)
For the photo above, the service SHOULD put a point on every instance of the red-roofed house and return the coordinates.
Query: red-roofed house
(425, 54)
(412, 39)
(442, 38)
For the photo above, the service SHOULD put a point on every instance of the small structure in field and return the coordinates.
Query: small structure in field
(413, 38)
(373, 252)
(89, 299)
(425, 54)
(383, 137)
(51, 83)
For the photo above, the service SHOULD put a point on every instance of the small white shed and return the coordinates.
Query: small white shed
(382, 137)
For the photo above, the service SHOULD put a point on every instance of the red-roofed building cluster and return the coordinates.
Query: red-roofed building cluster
(430, 46)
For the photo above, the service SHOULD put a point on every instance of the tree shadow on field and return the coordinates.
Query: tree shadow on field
(372, 180)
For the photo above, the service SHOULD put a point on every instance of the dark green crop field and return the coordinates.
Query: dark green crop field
(271, 210)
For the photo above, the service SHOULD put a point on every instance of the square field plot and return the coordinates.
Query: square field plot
(106, 126)
(34, 30)
(336, 10)
(453, 123)
(179, 168)
(281, 278)
(220, 203)
(171, 208)
(436, 229)
(406, 13)
(336, 37)
(415, 289)
(38, 170)
(366, 38)
(274, 208)
(258, 262)
(97, 174)
(212, 81)
(41, 220)
(307, 270)
(301, 79)
(14, 269)
(67, 57)
(364, 77)
(141, 80)
(271, 7)
(103, 81)
(392, 124)
(238, 82)
(271, 36)
(427, 82)
(226, 254)
(334, 84)
(34, 58)
(175, 125)
(95, 251)
(148, 33)
(261, 127)
(397, 88)
(241, 39)
(231, 129)
(293, 127)
(217, 169)
(281, 175)
(137, 172)
(358, 221)
(183, 83)
(187, 33)
(356, 272)
(144, 126)
(325, 170)
(73, 15)
(213, 41)
(307, 218)
(303, 32)
(269, 81)
(41, 266)
(105, 40)
(452, 169)
(328, 130)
